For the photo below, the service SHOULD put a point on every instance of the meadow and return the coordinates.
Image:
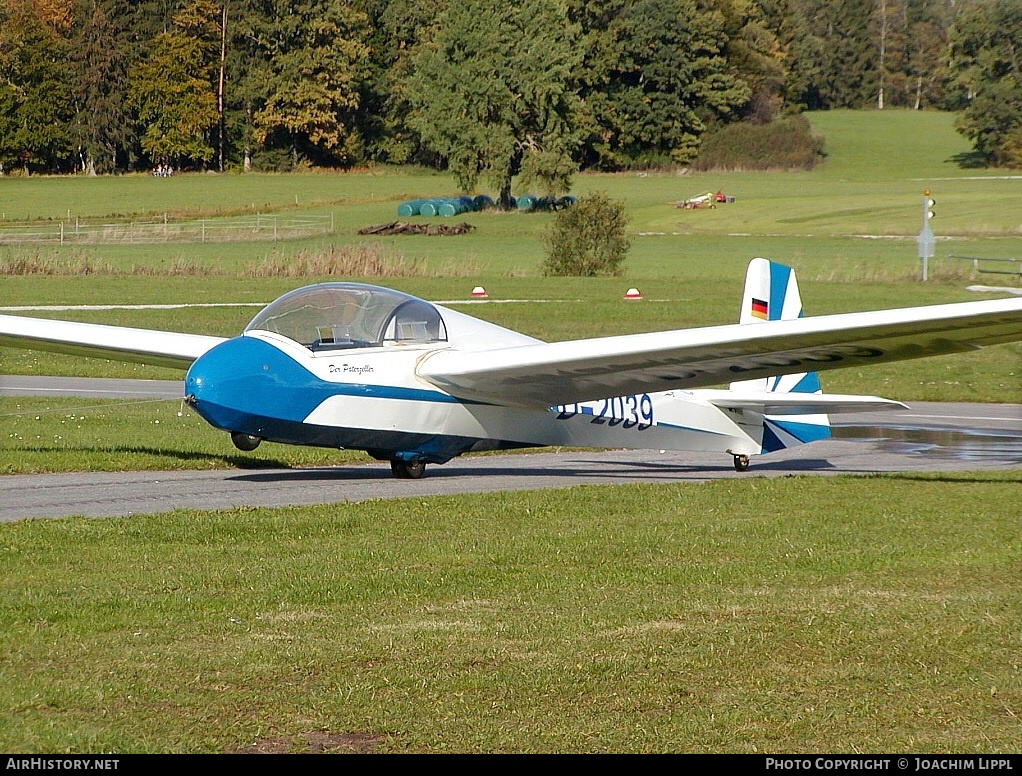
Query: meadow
(803, 614)
(793, 615)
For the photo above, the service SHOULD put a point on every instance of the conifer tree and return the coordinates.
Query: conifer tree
(102, 122)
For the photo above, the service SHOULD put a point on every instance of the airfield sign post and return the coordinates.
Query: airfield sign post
(925, 240)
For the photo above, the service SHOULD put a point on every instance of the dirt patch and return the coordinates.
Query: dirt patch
(402, 227)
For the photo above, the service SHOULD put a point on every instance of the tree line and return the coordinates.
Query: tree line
(487, 88)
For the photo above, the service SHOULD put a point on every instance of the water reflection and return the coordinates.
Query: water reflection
(1004, 446)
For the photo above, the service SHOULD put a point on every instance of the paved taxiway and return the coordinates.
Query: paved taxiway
(926, 437)
(90, 387)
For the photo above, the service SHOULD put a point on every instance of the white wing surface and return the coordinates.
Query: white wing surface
(121, 343)
(543, 375)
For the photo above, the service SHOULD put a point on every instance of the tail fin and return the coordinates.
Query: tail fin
(771, 294)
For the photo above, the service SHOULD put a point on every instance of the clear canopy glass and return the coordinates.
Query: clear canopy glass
(333, 316)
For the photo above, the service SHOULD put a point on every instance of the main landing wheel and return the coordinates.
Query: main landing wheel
(245, 442)
(741, 463)
(408, 470)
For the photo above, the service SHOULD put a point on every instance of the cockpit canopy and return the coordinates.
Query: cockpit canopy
(335, 316)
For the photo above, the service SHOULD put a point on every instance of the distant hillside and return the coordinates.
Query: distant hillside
(888, 144)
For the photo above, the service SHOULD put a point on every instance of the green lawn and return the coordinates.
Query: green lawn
(794, 615)
(830, 218)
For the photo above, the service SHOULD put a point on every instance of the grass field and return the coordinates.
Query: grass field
(730, 617)
(857, 213)
(795, 615)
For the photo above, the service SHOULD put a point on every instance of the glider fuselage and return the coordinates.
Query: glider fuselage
(369, 398)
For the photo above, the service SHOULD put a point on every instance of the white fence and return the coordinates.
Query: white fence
(254, 228)
(993, 266)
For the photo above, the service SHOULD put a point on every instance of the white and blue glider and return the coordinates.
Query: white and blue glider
(347, 365)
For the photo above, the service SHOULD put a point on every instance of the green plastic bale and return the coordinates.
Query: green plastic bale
(454, 206)
(410, 208)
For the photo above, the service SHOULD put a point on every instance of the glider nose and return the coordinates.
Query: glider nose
(208, 376)
(223, 385)
(249, 386)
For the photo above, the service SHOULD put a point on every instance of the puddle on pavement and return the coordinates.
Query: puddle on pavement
(960, 445)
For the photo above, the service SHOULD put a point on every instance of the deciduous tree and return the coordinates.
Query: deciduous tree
(987, 62)
(35, 94)
(492, 94)
(172, 90)
(316, 63)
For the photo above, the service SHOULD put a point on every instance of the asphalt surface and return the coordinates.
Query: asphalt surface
(90, 387)
(926, 437)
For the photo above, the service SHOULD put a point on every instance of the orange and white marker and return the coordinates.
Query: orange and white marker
(633, 293)
(479, 293)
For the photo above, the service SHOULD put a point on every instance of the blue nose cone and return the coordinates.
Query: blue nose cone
(247, 385)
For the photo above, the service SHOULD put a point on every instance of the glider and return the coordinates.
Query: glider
(349, 365)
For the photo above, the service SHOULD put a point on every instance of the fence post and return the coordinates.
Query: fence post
(61, 232)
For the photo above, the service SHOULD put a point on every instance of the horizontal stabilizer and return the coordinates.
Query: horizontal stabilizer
(770, 403)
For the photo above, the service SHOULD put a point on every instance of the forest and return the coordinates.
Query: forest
(485, 88)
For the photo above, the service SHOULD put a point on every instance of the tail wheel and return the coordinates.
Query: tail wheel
(408, 470)
(741, 463)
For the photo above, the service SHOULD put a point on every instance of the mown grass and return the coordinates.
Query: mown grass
(871, 184)
(201, 194)
(48, 435)
(791, 615)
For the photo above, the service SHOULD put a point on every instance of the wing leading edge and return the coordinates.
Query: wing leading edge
(543, 375)
(121, 343)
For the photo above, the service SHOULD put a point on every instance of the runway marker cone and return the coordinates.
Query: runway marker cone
(633, 293)
(479, 293)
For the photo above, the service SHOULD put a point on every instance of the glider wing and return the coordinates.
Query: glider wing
(144, 346)
(545, 375)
